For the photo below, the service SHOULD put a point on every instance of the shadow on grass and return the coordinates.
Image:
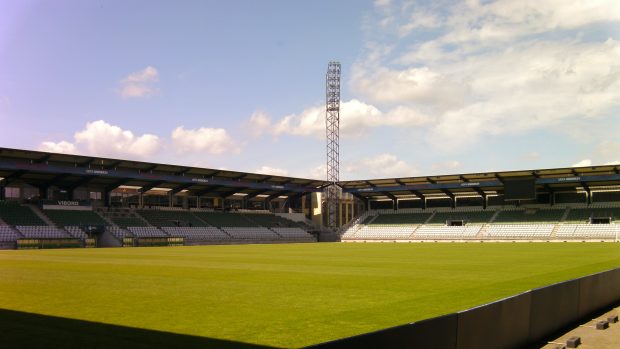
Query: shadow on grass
(26, 330)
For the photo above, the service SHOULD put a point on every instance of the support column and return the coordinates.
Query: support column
(352, 210)
(185, 202)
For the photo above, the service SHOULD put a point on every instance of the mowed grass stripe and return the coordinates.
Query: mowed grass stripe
(284, 295)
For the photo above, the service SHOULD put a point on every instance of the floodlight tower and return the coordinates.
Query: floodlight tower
(332, 122)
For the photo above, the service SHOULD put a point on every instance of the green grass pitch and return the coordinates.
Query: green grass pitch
(287, 295)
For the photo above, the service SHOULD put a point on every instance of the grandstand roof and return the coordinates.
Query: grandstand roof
(43, 169)
(558, 179)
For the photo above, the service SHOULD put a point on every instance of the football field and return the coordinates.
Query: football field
(287, 295)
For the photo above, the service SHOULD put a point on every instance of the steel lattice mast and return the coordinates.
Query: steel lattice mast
(332, 121)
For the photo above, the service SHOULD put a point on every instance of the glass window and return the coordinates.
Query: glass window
(11, 192)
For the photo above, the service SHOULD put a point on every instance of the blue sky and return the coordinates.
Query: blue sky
(429, 87)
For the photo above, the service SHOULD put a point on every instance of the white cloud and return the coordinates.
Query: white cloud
(495, 68)
(318, 172)
(447, 166)
(504, 20)
(356, 118)
(608, 149)
(583, 163)
(100, 138)
(382, 3)
(383, 165)
(137, 90)
(103, 139)
(416, 84)
(140, 84)
(258, 124)
(60, 147)
(209, 140)
(271, 171)
(420, 19)
(148, 74)
(606, 153)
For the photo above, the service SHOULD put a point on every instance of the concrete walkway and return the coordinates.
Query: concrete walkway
(591, 338)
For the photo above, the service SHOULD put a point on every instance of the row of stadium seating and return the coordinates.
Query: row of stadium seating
(251, 233)
(41, 232)
(512, 216)
(8, 234)
(171, 218)
(507, 224)
(488, 232)
(128, 223)
(13, 214)
(63, 218)
(197, 233)
(179, 218)
(520, 231)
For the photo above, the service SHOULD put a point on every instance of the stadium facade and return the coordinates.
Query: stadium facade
(46, 196)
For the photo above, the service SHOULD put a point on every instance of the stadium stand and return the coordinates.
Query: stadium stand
(606, 196)
(197, 234)
(122, 217)
(439, 203)
(255, 233)
(433, 232)
(41, 232)
(526, 216)
(173, 218)
(520, 231)
(384, 232)
(63, 218)
(14, 214)
(206, 205)
(294, 234)
(401, 218)
(583, 215)
(7, 234)
(141, 232)
(118, 232)
(225, 219)
(466, 216)
(125, 222)
(269, 220)
(534, 223)
(76, 232)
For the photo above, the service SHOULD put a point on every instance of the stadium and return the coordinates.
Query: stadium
(427, 200)
(273, 228)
